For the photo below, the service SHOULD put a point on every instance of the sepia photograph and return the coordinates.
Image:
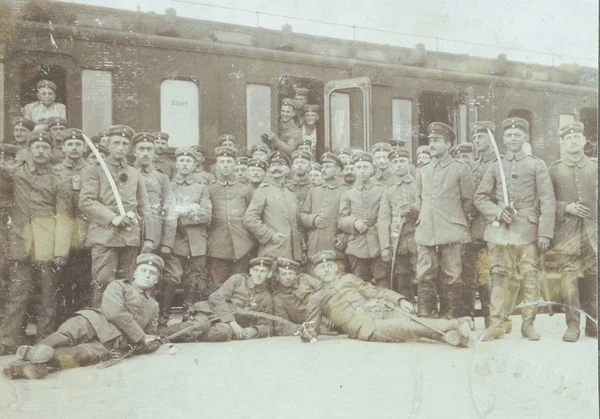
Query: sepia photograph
(269, 209)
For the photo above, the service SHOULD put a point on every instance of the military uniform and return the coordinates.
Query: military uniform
(290, 135)
(300, 188)
(513, 247)
(203, 177)
(57, 154)
(445, 191)
(291, 303)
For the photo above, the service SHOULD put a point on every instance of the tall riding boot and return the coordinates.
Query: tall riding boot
(467, 301)
(78, 356)
(167, 295)
(453, 295)
(96, 293)
(484, 298)
(570, 296)
(512, 292)
(498, 289)
(190, 290)
(426, 294)
(531, 294)
(588, 292)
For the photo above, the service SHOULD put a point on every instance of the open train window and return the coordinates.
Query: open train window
(179, 112)
(31, 74)
(589, 118)
(402, 128)
(434, 107)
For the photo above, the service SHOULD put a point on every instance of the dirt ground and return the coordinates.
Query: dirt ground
(333, 378)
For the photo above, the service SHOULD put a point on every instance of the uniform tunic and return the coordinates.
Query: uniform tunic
(291, 303)
(290, 135)
(385, 177)
(165, 165)
(71, 173)
(479, 167)
(300, 189)
(204, 177)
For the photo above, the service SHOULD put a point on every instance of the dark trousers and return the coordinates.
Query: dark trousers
(109, 263)
(222, 269)
(190, 271)
(75, 284)
(373, 270)
(405, 275)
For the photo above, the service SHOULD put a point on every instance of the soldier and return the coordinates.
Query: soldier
(126, 319)
(521, 228)
(201, 175)
(158, 188)
(290, 133)
(574, 254)
(423, 155)
(90, 157)
(114, 238)
(345, 155)
(232, 249)
(76, 275)
(45, 107)
(300, 184)
(257, 169)
(259, 152)
(309, 128)
(363, 310)
(475, 254)
(191, 208)
(57, 126)
(161, 161)
(384, 173)
(445, 196)
(272, 216)
(225, 140)
(300, 97)
(320, 209)
(464, 152)
(305, 146)
(39, 240)
(398, 214)
(359, 208)
(240, 169)
(314, 176)
(21, 128)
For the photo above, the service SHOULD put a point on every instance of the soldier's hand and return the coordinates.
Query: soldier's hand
(238, 332)
(152, 346)
(543, 244)
(577, 209)
(505, 216)
(360, 226)
(59, 261)
(147, 246)
(121, 221)
(165, 250)
(249, 332)
(149, 338)
(406, 209)
(321, 222)
(406, 306)
(386, 255)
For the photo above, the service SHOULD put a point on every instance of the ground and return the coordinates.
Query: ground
(335, 377)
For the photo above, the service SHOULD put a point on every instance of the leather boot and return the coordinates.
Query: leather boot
(570, 295)
(484, 299)
(512, 291)
(78, 356)
(23, 369)
(498, 290)
(189, 298)
(588, 293)
(531, 294)
(43, 351)
(167, 295)
(427, 297)
(454, 296)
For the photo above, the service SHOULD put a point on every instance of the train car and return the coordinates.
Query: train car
(198, 79)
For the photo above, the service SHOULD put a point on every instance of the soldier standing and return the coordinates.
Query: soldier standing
(39, 240)
(359, 208)
(161, 161)
(315, 177)
(259, 152)
(257, 170)
(398, 214)
(574, 254)
(300, 183)
(445, 192)
(521, 228)
(115, 239)
(201, 175)
(423, 156)
(191, 209)
(240, 169)
(290, 133)
(232, 249)
(384, 173)
(272, 216)
(21, 128)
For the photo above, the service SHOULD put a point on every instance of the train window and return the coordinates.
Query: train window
(2, 101)
(589, 118)
(96, 95)
(434, 107)
(460, 120)
(258, 113)
(340, 120)
(179, 112)
(30, 75)
(402, 121)
(527, 115)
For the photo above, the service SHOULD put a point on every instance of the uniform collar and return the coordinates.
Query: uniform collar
(515, 156)
(40, 170)
(289, 124)
(581, 163)
(147, 169)
(407, 178)
(300, 182)
(334, 184)
(486, 157)
(227, 182)
(70, 164)
(250, 283)
(145, 293)
(113, 162)
(181, 180)
(444, 162)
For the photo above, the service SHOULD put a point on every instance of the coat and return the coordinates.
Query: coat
(164, 165)
(229, 203)
(191, 207)
(361, 203)
(479, 167)
(445, 192)
(272, 210)
(386, 178)
(300, 189)
(98, 203)
(204, 177)
(41, 227)
(125, 310)
(322, 201)
(291, 303)
(290, 135)
(240, 293)
(529, 190)
(575, 182)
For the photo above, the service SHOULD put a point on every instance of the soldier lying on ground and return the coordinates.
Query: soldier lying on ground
(127, 319)
(217, 319)
(365, 311)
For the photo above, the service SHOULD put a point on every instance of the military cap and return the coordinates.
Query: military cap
(423, 149)
(574, 127)
(482, 127)
(226, 152)
(258, 163)
(73, 134)
(161, 136)
(24, 122)
(260, 147)
(200, 149)
(311, 108)
(288, 102)
(8, 149)
(278, 156)
(44, 136)
(150, 259)
(143, 137)
(241, 161)
(302, 91)
(331, 158)
(103, 133)
(226, 137)
(263, 261)
(101, 149)
(315, 166)
(387, 147)
(515, 123)
(186, 151)
(396, 142)
(464, 148)
(46, 83)
(362, 156)
(95, 139)
(398, 152)
(55, 120)
(304, 141)
(120, 131)
(346, 151)
(322, 257)
(286, 263)
(301, 154)
(439, 129)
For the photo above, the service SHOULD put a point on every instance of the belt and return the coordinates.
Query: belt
(521, 205)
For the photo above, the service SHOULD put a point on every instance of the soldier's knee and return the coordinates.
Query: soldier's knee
(219, 332)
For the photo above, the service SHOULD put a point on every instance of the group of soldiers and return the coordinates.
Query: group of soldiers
(258, 249)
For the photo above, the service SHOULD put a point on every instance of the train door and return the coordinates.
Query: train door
(347, 106)
(435, 107)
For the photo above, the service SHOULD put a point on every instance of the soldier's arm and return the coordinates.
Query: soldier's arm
(345, 221)
(252, 218)
(113, 308)
(485, 195)
(279, 309)
(65, 219)
(467, 191)
(220, 300)
(384, 219)
(560, 205)
(263, 325)
(545, 196)
(306, 218)
(144, 204)
(313, 316)
(369, 290)
(152, 326)
(289, 147)
(88, 198)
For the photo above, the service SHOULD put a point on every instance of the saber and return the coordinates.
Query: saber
(413, 318)
(545, 288)
(502, 174)
(111, 181)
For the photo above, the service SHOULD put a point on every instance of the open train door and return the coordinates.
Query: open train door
(347, 110)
